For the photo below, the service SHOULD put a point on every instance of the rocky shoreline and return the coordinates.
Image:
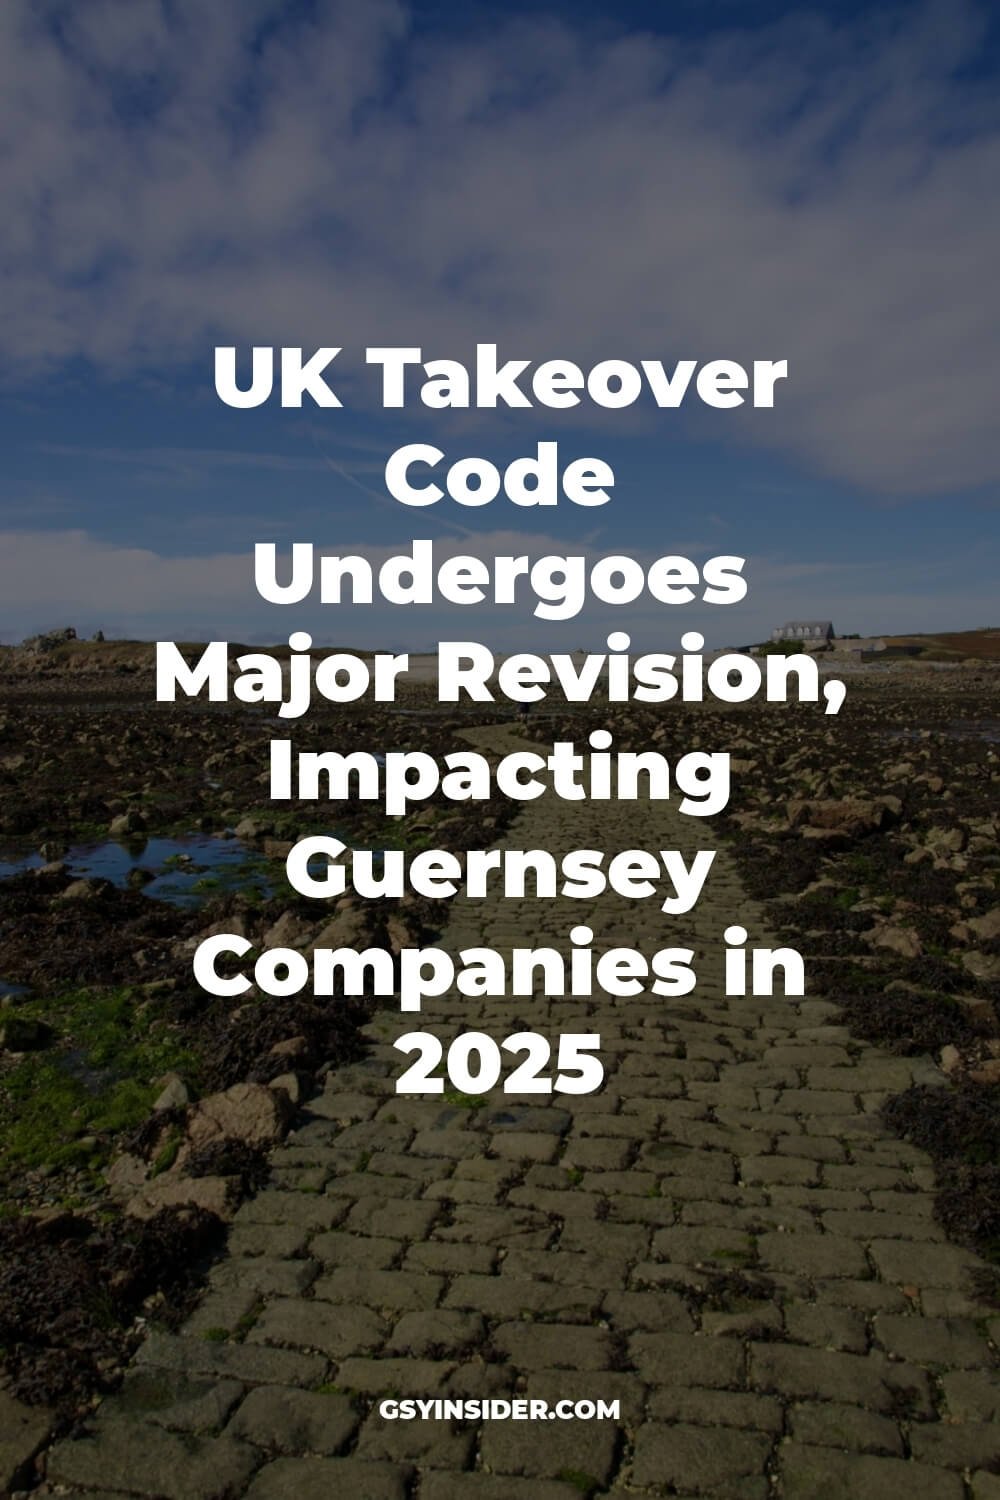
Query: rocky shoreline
(872, 837)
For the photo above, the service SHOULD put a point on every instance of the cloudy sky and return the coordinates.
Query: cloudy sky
(640, 180)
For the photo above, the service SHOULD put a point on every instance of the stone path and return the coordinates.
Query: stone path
(724, 1239)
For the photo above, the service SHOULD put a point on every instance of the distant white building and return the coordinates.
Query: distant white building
(812, 631)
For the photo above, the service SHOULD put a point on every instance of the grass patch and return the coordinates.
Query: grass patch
(65, 1105)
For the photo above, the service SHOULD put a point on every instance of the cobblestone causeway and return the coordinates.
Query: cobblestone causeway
(724, 1238)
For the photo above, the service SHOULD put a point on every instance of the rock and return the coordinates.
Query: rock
(942, 840)
(987, 1071)
(23, 1034)
(173, 1094)
(23, 1430)
(951, 1059)
(217, 1195)
(398, 934)
(292, 1046)
(850, 816)
(85, 890)
(289, 931)
(350, 929)
(246, 1112)
(982, 965)
(125, 1175)
(289, 1084)
(253, 828)
(126, 823)
(986, 927)
(902, 940)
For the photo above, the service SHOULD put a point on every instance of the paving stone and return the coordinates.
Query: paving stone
(183, 1403)
(590, 1385)
(407, 1377)
(303, 1210)
(568, 1268)
(151, 1461)
(439, 1333)
(323, 1478)
(672, 1359)
(431, 1444)
(872, 1224)
(226, 1310)
(397, 1290)
(450, 1259)
(505, 1297)
(823, 1255)
(551, 1450)
(285, 1420)
(404, 1221)
(537, 1346)
(369, 1252)
(829, 1424)
(703, 1461)
(723, 1247)
(251, 1363)
(278, 1240)
(826, 1327)
(332, 1330)
(972, 1397)
(266, 1275)
(921, 1264)
(953, 1342)
(716, 1408)
(604, 1240)
(441, 1486)
(524, 1145)
(963, 1445)
(871, 1380)
(807, 1473)
(648, 1311)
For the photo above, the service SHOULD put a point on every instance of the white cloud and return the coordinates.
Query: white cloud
(179, 174)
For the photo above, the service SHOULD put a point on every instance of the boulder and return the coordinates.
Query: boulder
(853, 817)
(247, 1112)
(173, 1093)
(902, 940)
(217, 1195)
(125, 1175)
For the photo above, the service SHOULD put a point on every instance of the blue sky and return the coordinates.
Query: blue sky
(644, 181)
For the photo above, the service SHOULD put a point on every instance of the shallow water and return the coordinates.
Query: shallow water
(186, 870)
